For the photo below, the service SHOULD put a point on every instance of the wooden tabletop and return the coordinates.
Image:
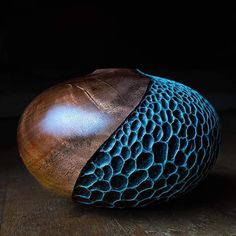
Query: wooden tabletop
(28, 209)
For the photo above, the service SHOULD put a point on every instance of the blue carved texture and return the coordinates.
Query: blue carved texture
(164, 148)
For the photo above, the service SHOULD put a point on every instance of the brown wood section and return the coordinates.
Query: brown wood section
(63, 127)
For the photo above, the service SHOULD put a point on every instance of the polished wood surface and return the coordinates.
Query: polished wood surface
(63, 127)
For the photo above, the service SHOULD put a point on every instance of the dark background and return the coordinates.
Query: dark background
(193, 44)
(190, 43)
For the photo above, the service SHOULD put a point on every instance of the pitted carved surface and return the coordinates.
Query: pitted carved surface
(163, 149)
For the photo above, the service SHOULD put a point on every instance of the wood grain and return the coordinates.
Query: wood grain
(64, 126)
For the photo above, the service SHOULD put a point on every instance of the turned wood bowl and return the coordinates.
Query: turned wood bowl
(119, 138)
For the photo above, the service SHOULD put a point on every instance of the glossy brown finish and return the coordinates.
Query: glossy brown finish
(63, 127)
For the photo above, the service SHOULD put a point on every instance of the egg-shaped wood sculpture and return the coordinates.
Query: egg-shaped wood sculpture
(119, 138)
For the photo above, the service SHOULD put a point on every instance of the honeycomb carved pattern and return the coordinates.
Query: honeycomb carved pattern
(162, 150)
